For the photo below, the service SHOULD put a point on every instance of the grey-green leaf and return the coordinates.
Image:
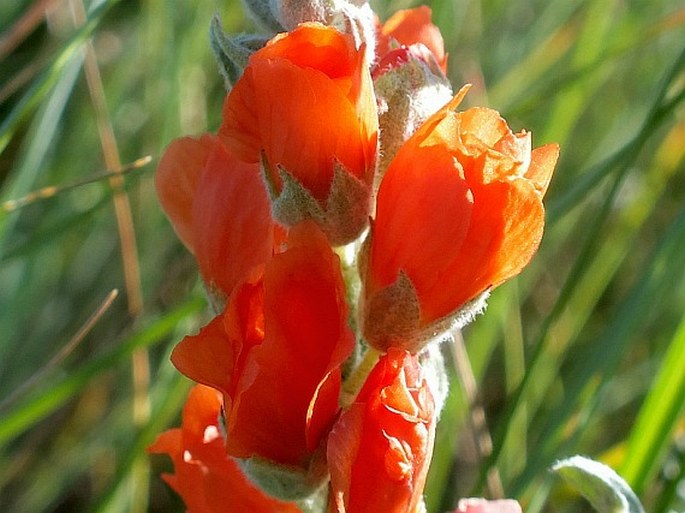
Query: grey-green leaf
(599, 484)
(232, 52)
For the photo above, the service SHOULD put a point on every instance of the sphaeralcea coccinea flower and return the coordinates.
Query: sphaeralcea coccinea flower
(459, 211)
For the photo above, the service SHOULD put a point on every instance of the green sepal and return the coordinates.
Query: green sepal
(232, 52)
(262, 13)
(599, 484)
(345, 214)
(391, 317)
(315, 503)
(291, 484)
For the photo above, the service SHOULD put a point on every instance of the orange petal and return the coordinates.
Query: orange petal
(169, 442)
(379, 457)
(506, 229)
(423, 214)
(459, 211)
(306, 340)
(294, 126)
(206, 477)
(322, 409)
(231, 220)
(207, 357)
(542, 162)
(315, 46)
(176, 179)
(524, 218)
(483, 124)
(442, 127)
(327, 86)
(341, 452)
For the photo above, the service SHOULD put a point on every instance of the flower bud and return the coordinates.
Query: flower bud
(305, 109)
(410, 26)
(409, 78)
(380, 448)
(409, 87)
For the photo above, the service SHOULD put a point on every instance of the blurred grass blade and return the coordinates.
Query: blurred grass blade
(50, 77)
(627, 225)
(52, 397)
(580, 266)
(658, 417)
(656, 115)
(173, 395)
(23, 27)
(53, 190)
(63, 353)
(596, 366)
(39, 143)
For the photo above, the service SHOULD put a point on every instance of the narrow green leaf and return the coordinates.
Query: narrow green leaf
(658, 416)
(52, 397)
(52, 75)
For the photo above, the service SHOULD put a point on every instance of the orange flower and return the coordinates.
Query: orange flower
(380, 448)
(305, 107)
(408, 27)
(218, 206)
(276, 352)
(208, 480)
(459, 211)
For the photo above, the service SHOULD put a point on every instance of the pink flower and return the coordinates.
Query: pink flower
(477, 505)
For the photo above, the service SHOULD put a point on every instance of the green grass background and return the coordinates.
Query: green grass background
(584, 353)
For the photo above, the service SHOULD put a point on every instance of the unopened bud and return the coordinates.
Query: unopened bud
(410, 87)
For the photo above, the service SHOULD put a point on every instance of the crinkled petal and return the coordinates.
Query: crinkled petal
(379, 456)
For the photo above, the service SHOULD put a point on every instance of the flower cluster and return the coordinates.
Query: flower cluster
(340, 136)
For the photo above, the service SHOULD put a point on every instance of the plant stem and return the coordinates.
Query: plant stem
(355, 381)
